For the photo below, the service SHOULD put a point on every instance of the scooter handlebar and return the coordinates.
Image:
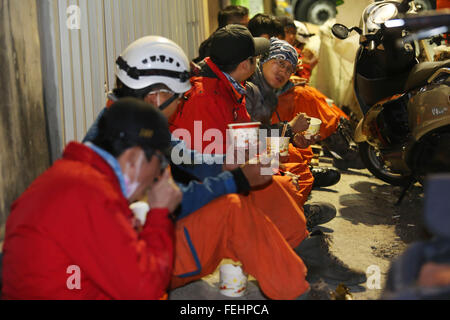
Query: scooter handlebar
(418, 22)
(423, 26)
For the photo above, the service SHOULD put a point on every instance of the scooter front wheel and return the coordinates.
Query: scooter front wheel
(373, 161)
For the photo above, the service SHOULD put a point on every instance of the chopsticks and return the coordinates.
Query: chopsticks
(284, 130)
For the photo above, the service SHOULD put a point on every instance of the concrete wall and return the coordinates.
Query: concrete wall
(214, 6)
(80, 46)
(23, 138)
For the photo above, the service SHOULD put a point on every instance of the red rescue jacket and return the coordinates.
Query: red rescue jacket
(75, 214)
(215, 102)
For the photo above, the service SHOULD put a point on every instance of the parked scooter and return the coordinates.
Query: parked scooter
(405, 131)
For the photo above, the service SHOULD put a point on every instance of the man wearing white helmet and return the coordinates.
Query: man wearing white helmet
(156, 70)
(138, 72)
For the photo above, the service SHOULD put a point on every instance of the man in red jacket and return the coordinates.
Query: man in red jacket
(71, 234)
(216, 99)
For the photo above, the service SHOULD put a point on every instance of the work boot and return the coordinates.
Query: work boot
(325, 176)
(341, 146)
(315, 253)
(317, 291)
(318, 213)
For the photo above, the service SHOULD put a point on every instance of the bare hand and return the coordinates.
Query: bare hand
(301, 142)
(294, 179)
(434, 275)
(259, 171)
(165, 193)
(236, 157)
(298, 81)
(300, 123)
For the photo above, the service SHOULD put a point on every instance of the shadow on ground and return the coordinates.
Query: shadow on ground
(375, 204)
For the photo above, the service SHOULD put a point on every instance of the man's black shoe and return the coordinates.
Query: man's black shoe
(325, 176)
(317, 213)
(315, 253)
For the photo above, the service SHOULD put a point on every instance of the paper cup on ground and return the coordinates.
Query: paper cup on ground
(278, 145)
(140, 210)
(244, 134)
(233, 281)
(314, 127)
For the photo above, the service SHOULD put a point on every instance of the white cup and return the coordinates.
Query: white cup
(233, 281)
(278, 145)
(314, 127)
(244, 134)
(140, 210)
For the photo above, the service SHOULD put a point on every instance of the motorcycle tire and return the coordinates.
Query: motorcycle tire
(376, 167)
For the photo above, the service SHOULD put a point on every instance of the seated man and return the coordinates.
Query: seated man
(231, 14)
(217, 98)
(214, 102)
(422, 271)
(71, 234)
(297, 35)
(293, 97)
(262, 25)
(272, 73)
(214, 220)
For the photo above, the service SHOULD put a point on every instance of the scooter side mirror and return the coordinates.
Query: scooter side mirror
(340, 31)
(358, 30)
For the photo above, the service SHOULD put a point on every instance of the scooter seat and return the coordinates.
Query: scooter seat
(421, 72)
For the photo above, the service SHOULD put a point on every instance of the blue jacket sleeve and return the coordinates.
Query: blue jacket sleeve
(198, 165)
(197, 195)
(93, 130)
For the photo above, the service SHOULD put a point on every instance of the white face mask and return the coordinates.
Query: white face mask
(131, 186)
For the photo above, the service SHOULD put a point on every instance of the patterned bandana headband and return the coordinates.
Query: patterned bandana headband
(280, 49)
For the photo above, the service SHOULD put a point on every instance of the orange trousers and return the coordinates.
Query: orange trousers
(442, 4)
(298, 164)
(258, 230)
(312, 102)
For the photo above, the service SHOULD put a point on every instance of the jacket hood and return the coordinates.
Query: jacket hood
(261, 98)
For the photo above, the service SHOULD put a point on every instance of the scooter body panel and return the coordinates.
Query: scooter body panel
(429, 109)
(359, 135)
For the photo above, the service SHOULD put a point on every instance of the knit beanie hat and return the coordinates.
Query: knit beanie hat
(280, 49)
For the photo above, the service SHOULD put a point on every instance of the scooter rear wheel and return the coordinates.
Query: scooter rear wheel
(375, 164)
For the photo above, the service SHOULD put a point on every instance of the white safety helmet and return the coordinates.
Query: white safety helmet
(154, 59)
(302, 32)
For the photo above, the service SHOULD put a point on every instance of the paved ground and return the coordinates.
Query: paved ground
(369, 230)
